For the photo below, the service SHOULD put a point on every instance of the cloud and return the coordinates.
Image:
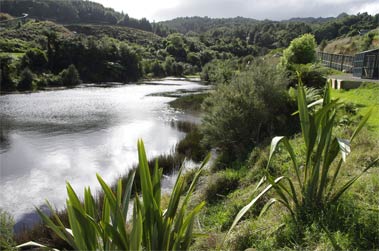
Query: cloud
(259, 9)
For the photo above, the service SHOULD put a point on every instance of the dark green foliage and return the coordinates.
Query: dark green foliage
(322, 45)
(26, 80)
(191, 146)
(62, 11)
(6, 81)
(172, 67)
(193, 58)
(13, 45)
(121, 33)
(311, 74)
(302, 50)
(345, 25)
(142, 24)
(35, 59)
(189, 103)
(105, 59)
(243, 113)
(70, 76)
(175, 47)
(157, 69)
(33, 34)
(269, 34)
(219, 71)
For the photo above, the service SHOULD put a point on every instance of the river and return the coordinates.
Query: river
(50, 137)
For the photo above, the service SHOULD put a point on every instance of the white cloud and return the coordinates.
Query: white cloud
(259, 9)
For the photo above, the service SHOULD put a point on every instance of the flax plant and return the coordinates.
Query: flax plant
(150, 228)
(317, 182)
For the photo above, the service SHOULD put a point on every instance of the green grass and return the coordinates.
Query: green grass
(351, 223)
(366, 97)
(189, 103)
(14, 55)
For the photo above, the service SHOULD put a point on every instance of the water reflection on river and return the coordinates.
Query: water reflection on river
(51, 137)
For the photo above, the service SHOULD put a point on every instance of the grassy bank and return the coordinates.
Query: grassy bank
(354, 226)
(189, 103)
(350, 224)
(364, 98)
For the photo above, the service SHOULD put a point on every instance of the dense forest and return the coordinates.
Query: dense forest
(101, 44)
(314, 187)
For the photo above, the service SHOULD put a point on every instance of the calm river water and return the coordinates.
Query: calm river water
(51, 137)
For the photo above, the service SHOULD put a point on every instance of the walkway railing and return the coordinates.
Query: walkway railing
(336, 61)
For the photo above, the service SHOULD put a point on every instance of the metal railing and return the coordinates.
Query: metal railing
(336, 61)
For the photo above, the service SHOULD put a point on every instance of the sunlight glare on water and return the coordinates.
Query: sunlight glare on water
(51, 137)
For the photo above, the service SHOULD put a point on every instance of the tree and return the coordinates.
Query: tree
(323, 44)
(35, 59)
(302, 50)
(70, 76)
(26, 80)
(6, 82)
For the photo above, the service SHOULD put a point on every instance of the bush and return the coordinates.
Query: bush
(219, 71)
(191, 146)
(7, 83)
(70, 76)
(26, 80)
(311, 74)
(252, 107)
(302, 50)
(35, 59)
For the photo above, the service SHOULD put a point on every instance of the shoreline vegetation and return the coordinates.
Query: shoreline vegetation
(291, 171)
(192, 78)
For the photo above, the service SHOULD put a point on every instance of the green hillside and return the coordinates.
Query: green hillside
(354, 44)
(118, 32)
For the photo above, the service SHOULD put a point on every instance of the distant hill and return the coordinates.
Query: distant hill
(72, 11)
(118, 32)
(272, 34)
(35, 31)
(311, 19)
(202, 24)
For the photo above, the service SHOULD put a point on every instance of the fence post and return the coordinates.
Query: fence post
(342, 62)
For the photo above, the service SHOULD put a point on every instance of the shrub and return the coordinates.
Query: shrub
(26, 80)
(241, 114)
(70, 76)
(191, 146)
(302, 50)
(7, 83)
(313, 75)
(35, 59)
(218, 71)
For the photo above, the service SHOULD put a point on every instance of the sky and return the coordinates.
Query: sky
(160, 10)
